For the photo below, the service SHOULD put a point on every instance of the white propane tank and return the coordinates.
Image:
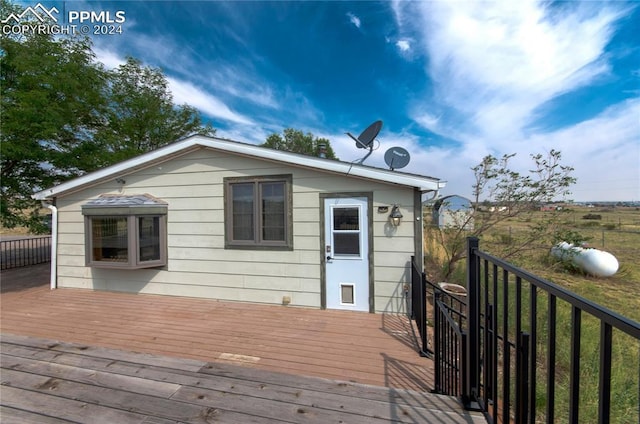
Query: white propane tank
(592, 261)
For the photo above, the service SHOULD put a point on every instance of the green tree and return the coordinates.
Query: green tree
(510, 194)
(141, 115)
(50, 104)
(297, 142)
(62, 115)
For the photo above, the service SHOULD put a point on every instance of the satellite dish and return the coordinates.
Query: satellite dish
(365, 140)
(396, 158)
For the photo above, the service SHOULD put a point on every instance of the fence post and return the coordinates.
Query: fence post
(472, 374)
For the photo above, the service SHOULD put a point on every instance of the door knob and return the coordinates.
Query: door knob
(329, 258)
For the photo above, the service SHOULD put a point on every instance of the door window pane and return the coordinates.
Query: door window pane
(346, 243)
(243, 211)
(346, 231)
(346, 219)
(109, 239)
(273, 211)
(149, 238)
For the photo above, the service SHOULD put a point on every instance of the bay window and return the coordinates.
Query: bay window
(125, 232)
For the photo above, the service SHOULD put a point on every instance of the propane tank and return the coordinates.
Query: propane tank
(592, 261)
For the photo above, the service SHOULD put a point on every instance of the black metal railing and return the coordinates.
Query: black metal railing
(450, 347)
(538, 352)
(525, 350)
(431, 306)
(418, 309)
(24, 252)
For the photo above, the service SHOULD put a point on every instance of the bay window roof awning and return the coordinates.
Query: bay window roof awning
(116, 204)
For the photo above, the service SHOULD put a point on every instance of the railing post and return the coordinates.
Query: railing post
(437, 348)
(418, 306)
(423, 314)
(472, 374)
(522, 378)
(411, 302)
(464, 363)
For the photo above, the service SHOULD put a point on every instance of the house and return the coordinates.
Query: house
(214, 218)
(550, 208)
(453, 212)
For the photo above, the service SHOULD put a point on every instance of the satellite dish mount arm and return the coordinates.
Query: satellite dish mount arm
(361, 145)
(359, 161)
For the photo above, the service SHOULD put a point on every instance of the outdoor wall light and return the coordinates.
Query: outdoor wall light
(395, 216)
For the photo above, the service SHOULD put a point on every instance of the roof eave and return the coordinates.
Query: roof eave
(424, 184)
(125, 166)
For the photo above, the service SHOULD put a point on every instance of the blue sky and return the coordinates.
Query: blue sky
(452, 81)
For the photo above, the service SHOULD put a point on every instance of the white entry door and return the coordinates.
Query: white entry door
(347, 253)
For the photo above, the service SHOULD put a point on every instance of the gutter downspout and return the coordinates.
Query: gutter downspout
(54, 244)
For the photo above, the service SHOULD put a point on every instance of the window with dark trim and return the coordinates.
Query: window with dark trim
(125, 232)
(258, 212)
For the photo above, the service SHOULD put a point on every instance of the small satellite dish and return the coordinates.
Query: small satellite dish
(396, 158)
(365, 140)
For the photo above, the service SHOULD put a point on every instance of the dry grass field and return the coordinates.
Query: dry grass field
(617, 232)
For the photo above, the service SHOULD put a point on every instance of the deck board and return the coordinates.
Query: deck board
(48, 381)
(71, 355)
(329, 344)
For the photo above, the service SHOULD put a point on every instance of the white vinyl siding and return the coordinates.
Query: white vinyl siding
(198, 264)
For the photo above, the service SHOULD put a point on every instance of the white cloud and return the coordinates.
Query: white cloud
(404, 45)
(354, 19)
(185, 92)
(235, 81)
(604, 150)
(245, 133)
(495, 65)
(497, 62)
(428, 121)
(108, 58)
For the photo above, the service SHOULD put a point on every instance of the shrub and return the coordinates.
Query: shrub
(571, 236)
(590, 224)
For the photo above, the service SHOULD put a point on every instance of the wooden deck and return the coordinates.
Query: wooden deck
(87, 356)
